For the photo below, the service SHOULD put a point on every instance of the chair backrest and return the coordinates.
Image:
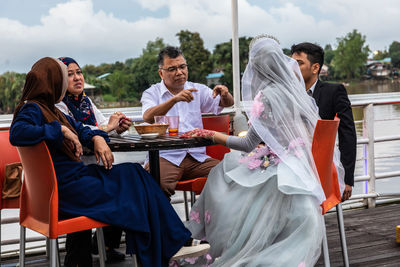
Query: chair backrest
(322, 149)
(39, 193)
(9, 154)
(220, 124)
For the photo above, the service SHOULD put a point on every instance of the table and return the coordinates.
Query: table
(153, 146)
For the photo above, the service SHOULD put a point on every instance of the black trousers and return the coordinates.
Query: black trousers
(79, 246)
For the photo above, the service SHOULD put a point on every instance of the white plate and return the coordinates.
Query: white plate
(149, 135)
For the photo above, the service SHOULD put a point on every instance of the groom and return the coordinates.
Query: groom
(331, 99)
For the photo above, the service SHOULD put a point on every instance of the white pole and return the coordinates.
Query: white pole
(239, 120)
(235, 57)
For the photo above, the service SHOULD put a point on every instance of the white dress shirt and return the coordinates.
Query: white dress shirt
(189, 115)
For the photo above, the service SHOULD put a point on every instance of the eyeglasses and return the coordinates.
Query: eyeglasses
(175, 68)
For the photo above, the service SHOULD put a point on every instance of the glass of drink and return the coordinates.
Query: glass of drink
(173, 125)
(160, 119)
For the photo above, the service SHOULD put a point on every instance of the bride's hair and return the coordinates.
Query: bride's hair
(261, 36)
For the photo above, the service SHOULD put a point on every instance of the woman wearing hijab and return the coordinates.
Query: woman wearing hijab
(154, 232)
(262, 208)
(79, 106)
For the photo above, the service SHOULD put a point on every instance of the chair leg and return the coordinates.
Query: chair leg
(47, 248)
(102, 247)
(186, 205)
(134, 260)
(58, 254)
(192, 198)
(22, 246)
(339, 213)
(0, 237)
(325, 249)
(53, 252)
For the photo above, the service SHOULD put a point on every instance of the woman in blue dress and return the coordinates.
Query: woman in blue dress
(123, 195)
(261, 207)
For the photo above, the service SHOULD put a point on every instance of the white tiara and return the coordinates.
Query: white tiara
(262, 36)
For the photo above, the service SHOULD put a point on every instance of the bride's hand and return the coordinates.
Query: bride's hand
(207, 134)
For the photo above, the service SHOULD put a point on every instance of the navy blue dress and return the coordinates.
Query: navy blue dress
(125, 196)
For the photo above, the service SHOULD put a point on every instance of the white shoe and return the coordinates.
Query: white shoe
(191, 252)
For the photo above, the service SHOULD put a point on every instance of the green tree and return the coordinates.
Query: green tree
(329, 54)
(378, 55)
(11, 86)
(145, 68)
(351, 55)
(394, 53)
(197, 57)
(222, 59)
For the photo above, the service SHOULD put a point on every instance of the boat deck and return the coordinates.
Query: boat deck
(370, 235)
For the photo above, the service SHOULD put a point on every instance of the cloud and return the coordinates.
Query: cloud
(75, 29)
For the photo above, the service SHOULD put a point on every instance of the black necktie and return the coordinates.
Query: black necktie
(309, 92)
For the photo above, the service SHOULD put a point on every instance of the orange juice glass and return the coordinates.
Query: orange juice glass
(173, 122)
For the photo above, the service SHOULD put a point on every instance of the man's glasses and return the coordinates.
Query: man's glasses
(175, 68)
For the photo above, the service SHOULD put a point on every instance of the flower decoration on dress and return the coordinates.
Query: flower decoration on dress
(302, 264)
(207, 217)
(258, 106)
(191, 260)
(173, 264)
(263, 157)
(195, 216)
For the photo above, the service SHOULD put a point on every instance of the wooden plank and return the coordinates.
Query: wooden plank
(370, 236)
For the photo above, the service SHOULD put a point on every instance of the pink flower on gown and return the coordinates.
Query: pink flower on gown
(195, 216)
(258, 106)
(207, 216)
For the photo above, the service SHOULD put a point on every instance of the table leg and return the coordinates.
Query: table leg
(154, 162)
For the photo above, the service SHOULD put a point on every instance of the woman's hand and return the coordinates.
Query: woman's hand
(102, 152)
(208, 134)
(72, 141)
(124, 125)
(114, 121)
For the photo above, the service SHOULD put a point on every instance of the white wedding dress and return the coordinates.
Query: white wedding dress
(273, 220)
(263, 208)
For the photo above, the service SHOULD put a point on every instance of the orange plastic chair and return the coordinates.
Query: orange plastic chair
(9, 155)
(195, 186)
(322, 149)
(39, 204)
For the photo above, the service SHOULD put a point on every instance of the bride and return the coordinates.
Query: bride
(262, 207)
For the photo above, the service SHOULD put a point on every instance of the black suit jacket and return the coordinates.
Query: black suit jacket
(332, 99)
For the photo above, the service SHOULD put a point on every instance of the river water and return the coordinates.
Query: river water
(387, 123)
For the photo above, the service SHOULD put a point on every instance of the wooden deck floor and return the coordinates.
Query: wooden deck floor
(370, 235)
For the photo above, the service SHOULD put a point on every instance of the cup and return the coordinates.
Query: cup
(173, 122)
(160, 119)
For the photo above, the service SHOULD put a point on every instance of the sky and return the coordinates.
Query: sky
(104, 31)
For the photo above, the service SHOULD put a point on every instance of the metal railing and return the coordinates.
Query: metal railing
(366, 102)
(368, 139)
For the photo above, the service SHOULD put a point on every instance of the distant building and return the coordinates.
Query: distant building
(323, 75)
(214, 78)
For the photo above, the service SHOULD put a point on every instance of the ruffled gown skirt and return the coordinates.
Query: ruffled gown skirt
(256, 225)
